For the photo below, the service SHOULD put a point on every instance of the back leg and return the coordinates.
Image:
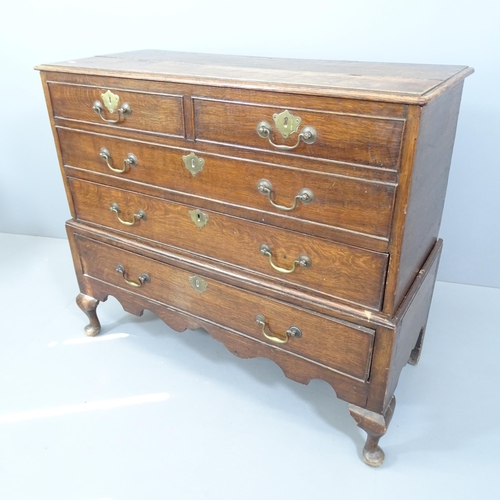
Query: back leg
(417, 350)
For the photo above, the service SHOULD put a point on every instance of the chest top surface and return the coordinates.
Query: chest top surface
(392, 82)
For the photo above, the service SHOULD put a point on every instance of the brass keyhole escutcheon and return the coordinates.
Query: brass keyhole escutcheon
(193, 163)
(110, 100)
(286, 123)
(199, 218)
(199, 284)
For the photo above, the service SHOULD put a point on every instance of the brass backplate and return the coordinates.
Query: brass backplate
(110, 100)
(193, 163)
(286, 123)
(199, 284)
(199, 218)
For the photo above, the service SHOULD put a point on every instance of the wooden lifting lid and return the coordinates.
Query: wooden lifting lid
(387, 82)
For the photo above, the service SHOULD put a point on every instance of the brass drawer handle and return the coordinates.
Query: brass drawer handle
(308, 135)
(140, 215)
(131, 160)
(303, 260)
(111, 100)
(305, 195)
(293, 331)
(124, 111)
(287, 124)
(143, 278)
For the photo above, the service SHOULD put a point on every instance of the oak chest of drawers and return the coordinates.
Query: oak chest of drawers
(291, 208)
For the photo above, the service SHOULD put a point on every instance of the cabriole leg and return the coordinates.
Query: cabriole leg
(88, 305)
(417, 350)
(375, 425)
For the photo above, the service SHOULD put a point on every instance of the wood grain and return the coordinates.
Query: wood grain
(48, 102)
(378, 170)
(419, 230)
(411, 317)
(393, 345)
(234, 93)
(366, 141)
(238, 277)
(337, 270)
(337, 345)
(339, 201)
(156, 113)
(408, 83)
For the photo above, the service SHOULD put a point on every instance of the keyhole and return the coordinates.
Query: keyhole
(199, 217)
(285, 122)
(109, 99)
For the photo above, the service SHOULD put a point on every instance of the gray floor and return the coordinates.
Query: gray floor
(142, 412)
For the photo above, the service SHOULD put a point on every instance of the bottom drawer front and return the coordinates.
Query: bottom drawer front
(333, 343)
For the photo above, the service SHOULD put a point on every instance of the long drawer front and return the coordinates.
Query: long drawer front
(346, 203)
(338, 345)
(296, 259)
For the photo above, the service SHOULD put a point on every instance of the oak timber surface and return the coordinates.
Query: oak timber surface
(336, 270)
(409, 83)
(141, 236)
(338, 345)
(344, 202)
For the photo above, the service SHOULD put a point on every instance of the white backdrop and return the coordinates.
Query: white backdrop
(32, 199)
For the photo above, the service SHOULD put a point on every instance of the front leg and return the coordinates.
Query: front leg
(88, 305)
(375, 425)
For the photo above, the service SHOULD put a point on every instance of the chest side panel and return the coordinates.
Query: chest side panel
(427, 190)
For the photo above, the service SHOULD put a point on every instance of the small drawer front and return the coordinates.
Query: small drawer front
(341, 346)
(314, 264)
(337, 201)
(372, 141)
(128, 109)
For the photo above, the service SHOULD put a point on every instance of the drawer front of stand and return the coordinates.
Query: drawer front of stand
(337, 201)
(372, 141)
(337, 270)
(339, 345)
(149, 112)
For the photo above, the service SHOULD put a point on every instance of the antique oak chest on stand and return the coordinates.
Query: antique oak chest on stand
(289, 207)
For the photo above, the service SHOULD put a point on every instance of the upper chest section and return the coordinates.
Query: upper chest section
(350, 113)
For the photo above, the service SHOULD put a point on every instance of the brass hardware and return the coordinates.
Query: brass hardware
(193, 163)
(305, 195)
(293, 331)
(111, 100)
(140, 215)
(287, 124)
(199, 218)
(143, 278)
(303, 260)
(131, 160)
(199, 284)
